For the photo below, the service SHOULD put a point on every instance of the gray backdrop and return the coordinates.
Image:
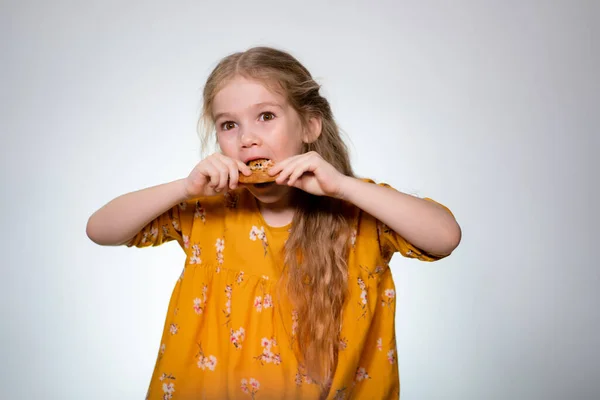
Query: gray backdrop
(489, 107)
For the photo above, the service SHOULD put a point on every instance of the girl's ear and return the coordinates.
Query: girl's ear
(312, 130)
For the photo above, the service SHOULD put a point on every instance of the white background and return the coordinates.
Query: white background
(489, 107)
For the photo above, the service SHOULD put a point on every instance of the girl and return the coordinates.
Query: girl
(286, 290)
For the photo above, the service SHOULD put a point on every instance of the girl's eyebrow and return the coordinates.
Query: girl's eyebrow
(257, 105)
(268, 103)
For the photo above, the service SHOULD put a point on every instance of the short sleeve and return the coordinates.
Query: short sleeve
(391, 242)
(173, 224)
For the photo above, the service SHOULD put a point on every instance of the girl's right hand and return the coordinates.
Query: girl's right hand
(213, 174)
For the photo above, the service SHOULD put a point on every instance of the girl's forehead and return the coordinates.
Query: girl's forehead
(241, 92)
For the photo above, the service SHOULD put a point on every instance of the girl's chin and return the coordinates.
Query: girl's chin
(269, 192)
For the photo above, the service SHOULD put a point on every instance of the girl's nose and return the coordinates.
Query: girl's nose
(249, 138)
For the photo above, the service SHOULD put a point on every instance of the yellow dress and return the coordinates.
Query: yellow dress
(228, 336)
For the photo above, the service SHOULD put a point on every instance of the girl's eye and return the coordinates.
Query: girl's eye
(267, 116)
(228, 125)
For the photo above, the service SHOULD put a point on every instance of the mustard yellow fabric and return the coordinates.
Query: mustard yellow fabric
(227, 335)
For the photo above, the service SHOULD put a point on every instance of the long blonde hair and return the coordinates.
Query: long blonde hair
(316, 272)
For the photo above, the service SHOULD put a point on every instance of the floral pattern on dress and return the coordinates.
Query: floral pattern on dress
(206, 362)
(150, 235)
(200, 212)
(168, 385)
(259, 233)
(372, 273)
(268, 356)
(220, 246)
(200, 303)
(195, 256)
(343, 343)
(302, 377)
(250, 386)
(363, 297)
(361, 375)
(261, 303)
(391, 356)
(237, 337)
(227, 310)
(388, 298)
(243, 322)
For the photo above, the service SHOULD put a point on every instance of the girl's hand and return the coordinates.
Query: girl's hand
(311, 173)
(213, 174)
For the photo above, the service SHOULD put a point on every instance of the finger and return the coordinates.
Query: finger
(223, 177)
(277, 168)
(211, 175)
(298, 172)
(243, 168)
(233, 173)
(215, 175)
(287, 171)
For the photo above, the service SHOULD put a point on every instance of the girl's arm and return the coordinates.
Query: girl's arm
(423, 223)
(122, 218)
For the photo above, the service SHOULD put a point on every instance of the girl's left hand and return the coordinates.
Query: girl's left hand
(311, 173)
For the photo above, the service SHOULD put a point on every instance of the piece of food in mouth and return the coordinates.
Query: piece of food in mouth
(259, 168)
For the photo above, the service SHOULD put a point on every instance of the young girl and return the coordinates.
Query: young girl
(286, 290)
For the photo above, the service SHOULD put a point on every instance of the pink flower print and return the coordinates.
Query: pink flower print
(200, 212)
(198, 306)
(268, 302)
(239, 277)
(205, 362)
(237, 337)
(195, 256)
(186, 241)
(267, 356)
(168, 386)
(380, 344)
(174, 328)
(301, 376)
(361, 374)
(227, 310)
(211, 363)
(371, 274)
(149, 236)
(163, 347)
(353, 237)
(343, 343)
(175, 223)
(250, 387)
(168, 389)
(258, 303)
(220, 246)
(391, 356)
(363, 297)
(256, 233)
(199, 303)
(183, 206)
(388, 299)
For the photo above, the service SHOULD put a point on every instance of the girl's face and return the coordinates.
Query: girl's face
(254, 122)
